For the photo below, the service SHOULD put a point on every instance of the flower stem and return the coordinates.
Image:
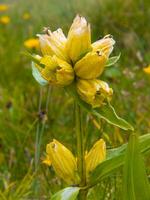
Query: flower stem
(80, 150)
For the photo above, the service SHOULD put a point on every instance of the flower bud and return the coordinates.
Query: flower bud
(79, 39)
(105, 45)
(95, 156)
(53, 43)
(57, 71)
(91, 65)
(63, 162)
(94, 92)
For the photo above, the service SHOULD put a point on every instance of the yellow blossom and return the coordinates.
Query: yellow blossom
(63, 162)
(53, 43)
(104, 45)
(147, 69)
(95, 156)
(5, 19)
(91, 65)
(32, 43)
(94, 92)
(79, 39)
(3, 7)
(57, 71)
(75, 59)
(26, 16)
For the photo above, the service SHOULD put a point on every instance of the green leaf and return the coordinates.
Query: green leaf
(106, 112)
(135, 184)
(115, 159)
(36, 74)
(69, 193)
(112, 60)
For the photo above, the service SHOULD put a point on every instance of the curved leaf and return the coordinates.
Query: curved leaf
(112, 60)
(105, 112)
(36, 74)
(69, 193)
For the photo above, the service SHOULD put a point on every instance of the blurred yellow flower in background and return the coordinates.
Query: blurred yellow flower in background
(26, 16)
(3, 7)
(147, 69)
(5, 19)
(32, 43)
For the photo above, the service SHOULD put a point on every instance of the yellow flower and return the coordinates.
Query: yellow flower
(57, 71)
(79, 39)
(147, 69)
(5, 19)
(94, 92)
(3, 7)
(53, 43)
(95, 156)
(63, 162)
(105, 45)
(26, 16)
(91, 65)
(68, 59)
(32, 43)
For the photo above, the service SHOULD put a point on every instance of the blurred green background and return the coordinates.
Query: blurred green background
(25, 106)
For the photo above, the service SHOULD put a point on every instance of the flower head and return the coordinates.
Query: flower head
(74, 59)
(63, 161)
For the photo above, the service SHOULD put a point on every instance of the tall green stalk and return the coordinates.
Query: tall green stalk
(80, 150)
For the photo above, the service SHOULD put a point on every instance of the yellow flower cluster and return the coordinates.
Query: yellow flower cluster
(76, 59)
(65, 164)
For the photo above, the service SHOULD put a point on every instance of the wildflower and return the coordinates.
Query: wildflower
(63, 161)
(79, 39)
(26, 16)
(53, 43)
(56, 71)
(91, 65)
(94, 92)
(95, 156)
(65, 164)
(74, 59)
(31, 43)
(5, 19)
(3, 7)
(147, 69)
